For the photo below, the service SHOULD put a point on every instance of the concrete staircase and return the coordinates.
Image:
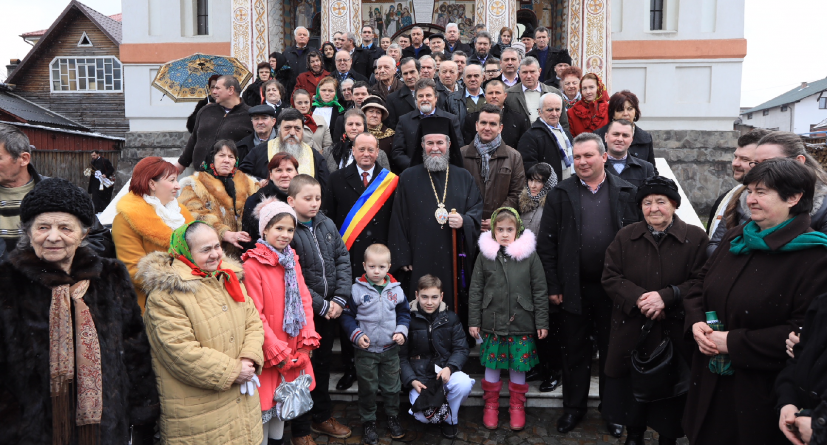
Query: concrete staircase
(535, 398)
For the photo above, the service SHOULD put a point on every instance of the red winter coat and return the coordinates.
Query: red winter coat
(585, 117)
(308, 81)
(264, 280)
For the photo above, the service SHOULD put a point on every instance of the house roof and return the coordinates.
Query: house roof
(821, 125)
(26, 111)
(116, 17)
(110, 27)
(794, 95)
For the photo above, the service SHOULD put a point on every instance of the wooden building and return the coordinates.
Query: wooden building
(74, 69)
(62, 147)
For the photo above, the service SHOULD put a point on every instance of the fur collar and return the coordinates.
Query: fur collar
(211, 186)
(520, 249)
(159, 272)
(86, 265)
(142, 218)
(415, 306)
(527, 205)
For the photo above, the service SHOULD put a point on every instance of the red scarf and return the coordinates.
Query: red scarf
(231, 283)
(310, 123)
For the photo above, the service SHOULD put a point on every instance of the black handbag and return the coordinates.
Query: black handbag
(662, 374)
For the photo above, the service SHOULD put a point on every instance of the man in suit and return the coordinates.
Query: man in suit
(345, 187)
(296, 55)
(618, 138)
(525, 96)
(510, 65)
(263, 118)
(417, 48)
(514, 124)
(547, 141)
(370, 45)
(405, 142)
(344, 63)
(361, 62)
(402, 101)
(581, 217)
(452, 41)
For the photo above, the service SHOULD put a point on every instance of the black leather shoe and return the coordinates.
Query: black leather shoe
(667, 441)
(551, 381)
(614, 429)
(534, 374)
(369, 436)
(395, 427)
(347, 380)
(567, 422)
(634, 439)
(449, 431)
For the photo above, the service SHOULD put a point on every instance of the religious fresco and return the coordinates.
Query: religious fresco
(460, 12)
(388, 17)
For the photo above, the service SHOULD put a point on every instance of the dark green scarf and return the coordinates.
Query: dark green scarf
(317, 102)
(753, 239)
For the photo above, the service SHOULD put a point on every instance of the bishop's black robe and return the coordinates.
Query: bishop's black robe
(415, 237)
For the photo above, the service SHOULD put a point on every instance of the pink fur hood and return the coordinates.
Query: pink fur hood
(520, 249)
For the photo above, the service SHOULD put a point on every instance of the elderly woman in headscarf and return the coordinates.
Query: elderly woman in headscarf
(217, 193)
(206, 338)
(74, 367)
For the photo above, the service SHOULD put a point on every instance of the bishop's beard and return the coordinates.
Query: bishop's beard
(436, 163)
(291, 146)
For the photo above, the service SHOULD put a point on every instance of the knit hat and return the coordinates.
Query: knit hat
(268, 209)
(57, 195)
(658, 185)
(520, 47)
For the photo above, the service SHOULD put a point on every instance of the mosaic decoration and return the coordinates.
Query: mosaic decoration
(589, 37)
(241, 44)
(499, 13)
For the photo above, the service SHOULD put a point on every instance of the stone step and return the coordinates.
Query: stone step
(534, 398)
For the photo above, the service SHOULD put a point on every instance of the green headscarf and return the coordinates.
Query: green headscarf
(317, 102)
(753, 239)
(179, 249)
(520, 226)
(178, 242)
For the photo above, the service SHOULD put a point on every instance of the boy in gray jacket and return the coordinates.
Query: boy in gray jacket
(376, 318)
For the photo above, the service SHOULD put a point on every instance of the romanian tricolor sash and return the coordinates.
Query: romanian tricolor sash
(367, 205)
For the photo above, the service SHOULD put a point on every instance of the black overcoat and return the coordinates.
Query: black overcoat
(538, 144)
(558, 243)
(760, 297)
(405, 142)
(129, 393)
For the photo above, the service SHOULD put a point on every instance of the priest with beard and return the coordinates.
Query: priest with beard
(421, 220)
(289, 140)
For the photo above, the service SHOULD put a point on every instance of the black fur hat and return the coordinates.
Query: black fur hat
(57, 195)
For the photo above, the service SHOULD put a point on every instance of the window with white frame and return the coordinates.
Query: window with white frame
(822, 103)
(86, 74)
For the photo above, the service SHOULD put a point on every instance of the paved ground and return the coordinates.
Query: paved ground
(540, 429)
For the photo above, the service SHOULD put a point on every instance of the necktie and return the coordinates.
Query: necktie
(365, 178)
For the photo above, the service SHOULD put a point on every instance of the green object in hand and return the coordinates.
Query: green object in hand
(721, 363)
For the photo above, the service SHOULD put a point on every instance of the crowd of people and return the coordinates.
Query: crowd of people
(415, 201)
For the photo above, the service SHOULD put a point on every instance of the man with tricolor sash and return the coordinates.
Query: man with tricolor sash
(359, 200)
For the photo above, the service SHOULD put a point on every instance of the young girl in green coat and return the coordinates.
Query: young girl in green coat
(508, 305)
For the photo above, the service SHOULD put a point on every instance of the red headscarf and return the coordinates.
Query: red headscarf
(586, 117)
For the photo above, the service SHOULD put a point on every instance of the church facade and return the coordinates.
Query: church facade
(682, 59)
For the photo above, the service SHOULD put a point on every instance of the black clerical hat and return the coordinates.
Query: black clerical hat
(437, 125)
(528, 32)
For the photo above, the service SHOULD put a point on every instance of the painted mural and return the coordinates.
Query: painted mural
(388, 17)
(460, 12)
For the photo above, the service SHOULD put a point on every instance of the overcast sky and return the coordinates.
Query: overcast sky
(784, 40)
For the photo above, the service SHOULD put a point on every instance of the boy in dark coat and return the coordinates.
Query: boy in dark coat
(436, 338)
(324, 257)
